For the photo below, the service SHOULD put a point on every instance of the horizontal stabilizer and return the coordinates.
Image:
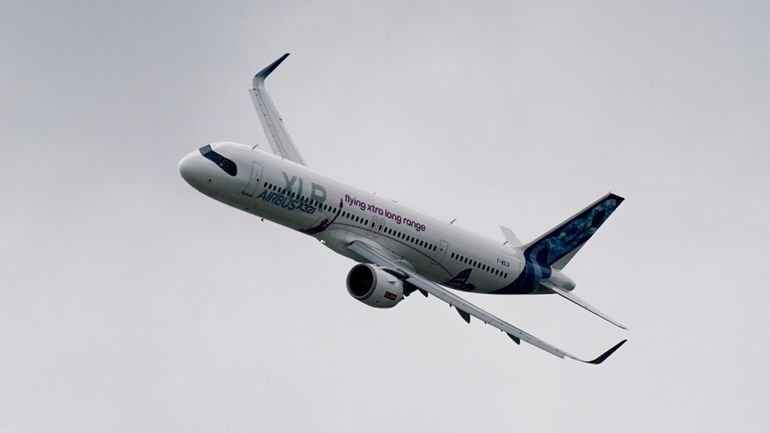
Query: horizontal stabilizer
(510, 237)
(576, 300)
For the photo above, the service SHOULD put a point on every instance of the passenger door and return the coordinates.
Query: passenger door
(443, 246)
(256, 175)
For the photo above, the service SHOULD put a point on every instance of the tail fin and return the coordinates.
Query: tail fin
(557, 247)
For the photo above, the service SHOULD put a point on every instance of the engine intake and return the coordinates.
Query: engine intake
(374, 286)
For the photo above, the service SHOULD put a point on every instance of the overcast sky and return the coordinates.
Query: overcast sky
(129, 302)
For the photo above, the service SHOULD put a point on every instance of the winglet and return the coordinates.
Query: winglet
(580, 302)
(606, 354)
(261, 75)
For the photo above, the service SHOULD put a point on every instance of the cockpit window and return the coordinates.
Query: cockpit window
(225, 164)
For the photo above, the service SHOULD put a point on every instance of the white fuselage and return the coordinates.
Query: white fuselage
(302, 199)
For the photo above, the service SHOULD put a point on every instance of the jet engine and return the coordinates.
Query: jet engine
(374, 286)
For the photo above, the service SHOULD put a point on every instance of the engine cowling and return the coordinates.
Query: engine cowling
(374, 287)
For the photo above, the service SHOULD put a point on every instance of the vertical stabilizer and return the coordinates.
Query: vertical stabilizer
(557, 247)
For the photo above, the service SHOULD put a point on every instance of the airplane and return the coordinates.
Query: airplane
(398, 249)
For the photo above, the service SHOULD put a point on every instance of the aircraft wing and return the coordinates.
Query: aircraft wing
(466, 309)
(276, 133)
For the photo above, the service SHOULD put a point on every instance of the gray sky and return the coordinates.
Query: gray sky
(129, 302)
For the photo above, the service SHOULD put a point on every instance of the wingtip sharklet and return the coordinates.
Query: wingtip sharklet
(261, 75)
(603, 357)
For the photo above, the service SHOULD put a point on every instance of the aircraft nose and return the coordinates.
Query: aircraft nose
(192, 168)
(186, 167)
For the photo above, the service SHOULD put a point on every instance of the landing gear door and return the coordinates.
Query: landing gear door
(256, 175)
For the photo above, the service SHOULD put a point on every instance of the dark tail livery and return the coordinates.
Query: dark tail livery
(557, 247)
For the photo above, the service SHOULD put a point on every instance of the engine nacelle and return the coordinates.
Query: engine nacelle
(374, 287)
